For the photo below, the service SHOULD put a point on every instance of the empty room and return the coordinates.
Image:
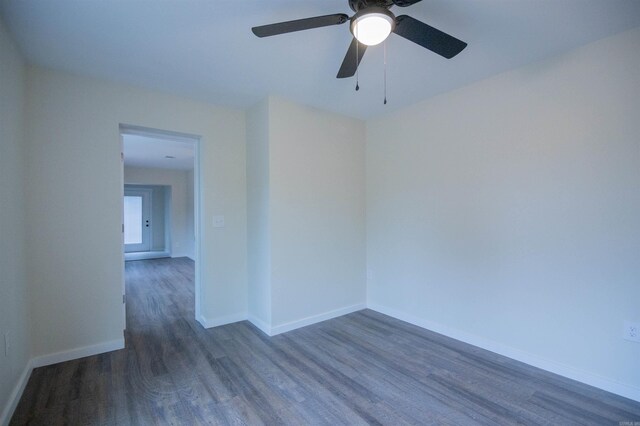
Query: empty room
(320, 212)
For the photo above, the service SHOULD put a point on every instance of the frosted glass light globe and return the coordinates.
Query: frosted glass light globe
(372, 28)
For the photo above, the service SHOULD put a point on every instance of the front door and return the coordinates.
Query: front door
(137, 220)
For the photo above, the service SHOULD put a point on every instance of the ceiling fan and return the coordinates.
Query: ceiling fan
(371, 25)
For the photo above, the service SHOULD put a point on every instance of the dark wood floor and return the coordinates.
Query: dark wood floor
(363, 368)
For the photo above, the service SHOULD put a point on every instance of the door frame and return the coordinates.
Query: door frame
(129, 129)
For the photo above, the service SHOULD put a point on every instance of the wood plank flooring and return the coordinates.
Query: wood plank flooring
(362, 368)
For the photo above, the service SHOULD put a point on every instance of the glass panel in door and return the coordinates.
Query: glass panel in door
(136, 221)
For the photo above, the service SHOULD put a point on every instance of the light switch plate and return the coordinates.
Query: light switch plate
(218, 221)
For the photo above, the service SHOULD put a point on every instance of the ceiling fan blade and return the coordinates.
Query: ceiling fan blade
(299, 25)
(426, 36)
(405, 3)
(349, 63)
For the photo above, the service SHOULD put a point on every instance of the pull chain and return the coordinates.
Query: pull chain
(357, 56)
(385, 72)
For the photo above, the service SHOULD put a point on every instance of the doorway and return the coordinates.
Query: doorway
(160, 198)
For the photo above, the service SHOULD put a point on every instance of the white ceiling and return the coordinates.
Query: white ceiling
(204, 49)
(145, 151)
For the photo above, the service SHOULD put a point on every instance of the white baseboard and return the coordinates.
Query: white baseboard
(145, 255)
(16, 394)
(283, 328)
(292, 325)
(49, 359)
(181, 254)
(227, 319)
(76, 353)
(609, 385)
(263, 326)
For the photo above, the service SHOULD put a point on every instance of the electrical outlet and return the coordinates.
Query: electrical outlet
(631, 331)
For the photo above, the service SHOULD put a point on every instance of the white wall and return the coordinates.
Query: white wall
(14, 318)
(316, 213)
(258, 231)
(74, 203)
(190, 252)
(182, 237)
(507, 212)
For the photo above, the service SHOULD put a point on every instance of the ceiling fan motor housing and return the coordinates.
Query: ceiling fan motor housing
(357, 5)
(405, 3)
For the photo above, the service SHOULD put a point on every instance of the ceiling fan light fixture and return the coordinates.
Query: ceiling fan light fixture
(373, 25)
